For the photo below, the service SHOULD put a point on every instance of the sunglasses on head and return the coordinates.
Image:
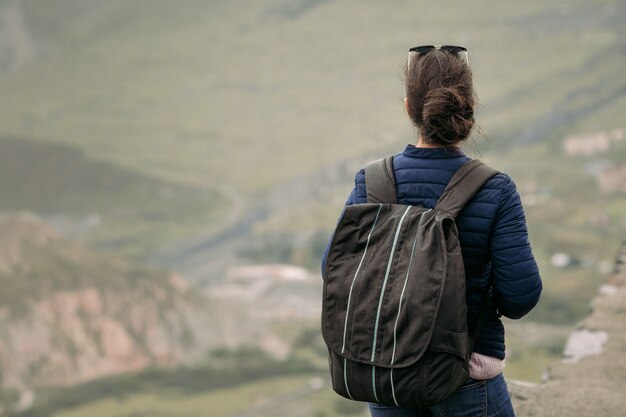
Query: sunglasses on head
(451, 49)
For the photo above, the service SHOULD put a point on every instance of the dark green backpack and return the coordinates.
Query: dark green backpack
(394, 314)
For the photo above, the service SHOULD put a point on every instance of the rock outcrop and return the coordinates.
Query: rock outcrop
(588, 382)
(68, 314)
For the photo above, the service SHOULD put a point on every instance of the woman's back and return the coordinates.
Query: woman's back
(492, 232)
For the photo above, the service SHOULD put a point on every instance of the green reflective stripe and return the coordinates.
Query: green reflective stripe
(345, 378)
(382, 291)
(393, 391)
(395, 326)
(374, 382)
(345, 325)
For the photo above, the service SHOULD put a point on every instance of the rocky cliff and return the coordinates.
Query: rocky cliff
(591, 378)
(68, 314)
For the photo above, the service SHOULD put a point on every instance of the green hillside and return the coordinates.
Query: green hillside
(108, 206)
(36, 262)
(249, 95)
(184, 91)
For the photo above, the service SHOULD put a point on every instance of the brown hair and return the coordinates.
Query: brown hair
(440, 97)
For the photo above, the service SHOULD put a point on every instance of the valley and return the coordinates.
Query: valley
(166, 163)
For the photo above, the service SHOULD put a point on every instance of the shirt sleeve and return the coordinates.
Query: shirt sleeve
(514, 272)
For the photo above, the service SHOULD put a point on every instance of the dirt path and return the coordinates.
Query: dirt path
(203, 260)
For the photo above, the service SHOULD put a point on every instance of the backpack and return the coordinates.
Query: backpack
(394, 313)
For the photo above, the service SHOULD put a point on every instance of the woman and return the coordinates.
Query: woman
(498, 260)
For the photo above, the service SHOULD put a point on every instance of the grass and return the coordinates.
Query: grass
(245, 385)
(134, 214)
(218, 403)
(531, 347)
(231, 381)
(228, 402)
(167, 90)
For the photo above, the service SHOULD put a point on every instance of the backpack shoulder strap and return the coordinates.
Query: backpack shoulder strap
(465, 183)
(380, 183)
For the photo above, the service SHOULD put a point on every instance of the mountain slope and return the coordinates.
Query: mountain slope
(68, 314)
(187, 91)
(106, 205)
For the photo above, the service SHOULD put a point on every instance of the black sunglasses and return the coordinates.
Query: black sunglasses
(451, 49)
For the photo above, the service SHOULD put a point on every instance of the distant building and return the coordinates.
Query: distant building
(560, 260)
(592, 143)
(612, 179)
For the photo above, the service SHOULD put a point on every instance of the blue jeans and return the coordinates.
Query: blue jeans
(489, 398)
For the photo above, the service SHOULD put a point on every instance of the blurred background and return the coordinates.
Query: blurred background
(170, 173)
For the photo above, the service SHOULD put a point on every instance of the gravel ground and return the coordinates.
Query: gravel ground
(594, 385)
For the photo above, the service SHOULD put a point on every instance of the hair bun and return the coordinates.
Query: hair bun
(447, 116)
